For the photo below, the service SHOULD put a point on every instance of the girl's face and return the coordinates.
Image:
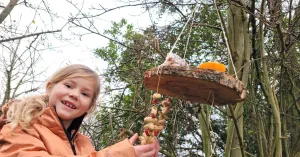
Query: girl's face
(72, 97)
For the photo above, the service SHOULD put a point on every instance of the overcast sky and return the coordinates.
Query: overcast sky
(75, 50)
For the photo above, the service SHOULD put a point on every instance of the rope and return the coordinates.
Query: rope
(226, 39)
(188, 39)
(173, 47)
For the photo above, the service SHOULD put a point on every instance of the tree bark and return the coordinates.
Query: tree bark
(204, 119)
(6, 11)
(238, 37)
(267, 85)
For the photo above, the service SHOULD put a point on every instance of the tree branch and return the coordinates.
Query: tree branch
(29, 35)
(6, 11)
(207, 25)
(176, 8)
(118, 7)
(106, 37)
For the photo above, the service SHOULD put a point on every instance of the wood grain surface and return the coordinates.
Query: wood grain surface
(195, 85)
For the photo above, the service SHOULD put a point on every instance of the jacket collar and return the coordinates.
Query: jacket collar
(51, 120)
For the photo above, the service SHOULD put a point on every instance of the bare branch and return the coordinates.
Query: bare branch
(29, 35)
(118, 7)
(7, 10)
(207, 25)
(176, 8)
(27, 91)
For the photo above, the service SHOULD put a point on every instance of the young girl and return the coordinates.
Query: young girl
(47, 125)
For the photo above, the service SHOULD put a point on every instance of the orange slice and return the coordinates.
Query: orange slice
(213, 66)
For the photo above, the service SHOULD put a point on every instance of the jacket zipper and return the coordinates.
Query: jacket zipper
(69, 137)
(73, 147)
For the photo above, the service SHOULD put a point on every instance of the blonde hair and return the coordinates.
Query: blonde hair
(24, 112)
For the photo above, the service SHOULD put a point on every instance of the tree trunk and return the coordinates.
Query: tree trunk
(238, 37)
(6, 11)
(204, 119)
(271, 97)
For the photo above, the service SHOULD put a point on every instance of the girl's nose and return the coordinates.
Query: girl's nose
(74, 94)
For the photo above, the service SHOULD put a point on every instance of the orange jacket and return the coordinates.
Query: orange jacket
(47, 138)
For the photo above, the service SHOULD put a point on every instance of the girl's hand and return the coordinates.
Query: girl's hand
(148, 150)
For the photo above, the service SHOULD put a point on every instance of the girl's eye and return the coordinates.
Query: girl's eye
(85, 94)
(68, 86)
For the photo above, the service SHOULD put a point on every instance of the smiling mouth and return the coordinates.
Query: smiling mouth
(69, 105)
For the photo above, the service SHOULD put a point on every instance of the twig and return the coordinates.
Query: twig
(29, 35)
(115, 108)
(176, 8)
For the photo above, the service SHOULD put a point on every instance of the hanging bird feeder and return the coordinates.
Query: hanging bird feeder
(206, 85)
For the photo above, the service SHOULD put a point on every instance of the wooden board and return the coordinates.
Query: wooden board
(195, 85)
